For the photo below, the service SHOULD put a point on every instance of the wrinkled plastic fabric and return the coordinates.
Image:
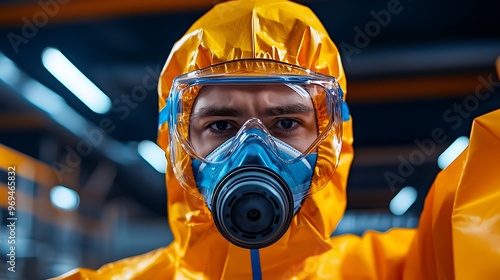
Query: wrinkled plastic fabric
(459, 232)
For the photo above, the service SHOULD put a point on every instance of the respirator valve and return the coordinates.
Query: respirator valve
(252, 207)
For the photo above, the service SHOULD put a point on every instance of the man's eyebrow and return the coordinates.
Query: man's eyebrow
(214, 110)
(296, 108)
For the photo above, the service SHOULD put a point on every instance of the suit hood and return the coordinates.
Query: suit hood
(271, 29)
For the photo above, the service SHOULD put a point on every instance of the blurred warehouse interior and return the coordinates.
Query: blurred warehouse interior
(90, 184)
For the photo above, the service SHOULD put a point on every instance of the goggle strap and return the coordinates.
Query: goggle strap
(163, 115)
(345, 109)
(345, 112)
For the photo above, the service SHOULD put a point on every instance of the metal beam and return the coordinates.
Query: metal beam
(78, 10)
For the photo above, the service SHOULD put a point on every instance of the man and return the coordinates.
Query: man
(256, 130)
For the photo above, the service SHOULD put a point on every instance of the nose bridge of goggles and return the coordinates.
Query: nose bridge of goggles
(255, 141)
(254, 131)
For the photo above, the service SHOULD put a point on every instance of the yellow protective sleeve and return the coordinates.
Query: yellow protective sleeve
(459, 231)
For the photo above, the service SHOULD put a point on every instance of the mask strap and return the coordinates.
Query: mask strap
(256, 270)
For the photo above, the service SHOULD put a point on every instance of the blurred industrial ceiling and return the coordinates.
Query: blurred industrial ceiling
(410, 65)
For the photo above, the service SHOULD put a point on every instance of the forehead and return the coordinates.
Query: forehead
(248, 95)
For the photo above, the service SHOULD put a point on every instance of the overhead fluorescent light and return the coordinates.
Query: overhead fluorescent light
(153, 154)
(54, 104)
(9, 71)
(402, 201)
(43, 98)
(64, 198)
(452, 152)
(72, 78)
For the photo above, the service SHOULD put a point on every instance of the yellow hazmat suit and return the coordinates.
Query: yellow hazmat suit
(459, 232)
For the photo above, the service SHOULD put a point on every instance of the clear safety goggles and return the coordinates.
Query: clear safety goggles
(207, 107)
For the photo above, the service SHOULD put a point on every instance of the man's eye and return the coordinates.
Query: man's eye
(221, 125)
(286, 123)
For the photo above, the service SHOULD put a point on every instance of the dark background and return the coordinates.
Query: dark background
(405, 79)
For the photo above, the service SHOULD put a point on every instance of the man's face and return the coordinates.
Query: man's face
(220, 110)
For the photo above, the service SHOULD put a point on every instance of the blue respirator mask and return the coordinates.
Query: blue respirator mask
(253, 186)
(244, 137)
